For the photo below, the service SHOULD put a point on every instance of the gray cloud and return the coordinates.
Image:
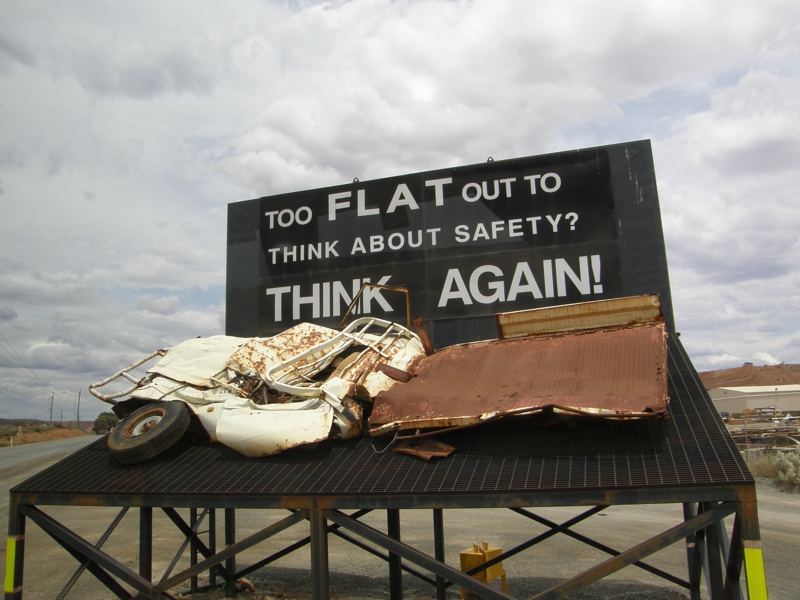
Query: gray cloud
(128, 128)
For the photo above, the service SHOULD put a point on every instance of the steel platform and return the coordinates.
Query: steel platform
(688, 458)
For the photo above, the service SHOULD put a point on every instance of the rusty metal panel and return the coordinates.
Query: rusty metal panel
(576, 317)
(617, 373)
(261, 354)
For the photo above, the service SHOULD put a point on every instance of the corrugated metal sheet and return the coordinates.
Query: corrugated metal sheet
(576, 317)
(610, 372)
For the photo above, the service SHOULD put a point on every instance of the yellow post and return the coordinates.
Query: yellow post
(754, 569)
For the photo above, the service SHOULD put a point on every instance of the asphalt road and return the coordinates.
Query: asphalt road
(356, 574)
(21, 453)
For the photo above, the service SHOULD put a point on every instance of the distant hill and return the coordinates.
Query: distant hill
(750, 375)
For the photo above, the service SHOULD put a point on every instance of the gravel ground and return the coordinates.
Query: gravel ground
(282, 584)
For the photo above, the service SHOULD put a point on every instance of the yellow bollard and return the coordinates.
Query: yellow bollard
(754, 569)
(476, 556)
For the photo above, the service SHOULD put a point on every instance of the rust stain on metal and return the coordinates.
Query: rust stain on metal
(607, 372)
(425, 448)
(259, 354)
(419, 326)
(394, 373)
(614, 312)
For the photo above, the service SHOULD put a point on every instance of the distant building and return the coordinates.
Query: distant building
(735, 400)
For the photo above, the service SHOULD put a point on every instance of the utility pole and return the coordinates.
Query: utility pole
(51, 406)
(79, 408)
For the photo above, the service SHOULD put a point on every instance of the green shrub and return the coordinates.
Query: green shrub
(788, 466)
(104, 423)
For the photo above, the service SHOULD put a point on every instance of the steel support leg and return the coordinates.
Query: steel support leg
(753, 555)
(733, 568)
(15, 553)
(714, 578)
(146, 542)
(212, 542)
(193, 549)
(438, 550)
(230, 563)
(395, 564)
(319, 553)
(694, 549)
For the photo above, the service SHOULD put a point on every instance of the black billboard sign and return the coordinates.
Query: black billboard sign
(468, 242)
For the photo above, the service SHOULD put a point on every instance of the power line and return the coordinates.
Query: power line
(40, 379)
(23, 362)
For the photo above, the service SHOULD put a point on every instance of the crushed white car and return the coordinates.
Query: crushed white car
(260, 396)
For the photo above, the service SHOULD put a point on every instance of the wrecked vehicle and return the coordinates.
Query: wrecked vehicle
(259, 396)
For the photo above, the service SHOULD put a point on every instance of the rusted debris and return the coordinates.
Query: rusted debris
(419, 327)
(605, 372)
(425, 448)
(632, 310)
(396, 374)
(261, 396)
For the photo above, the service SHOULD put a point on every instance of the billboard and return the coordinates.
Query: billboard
(468, 242)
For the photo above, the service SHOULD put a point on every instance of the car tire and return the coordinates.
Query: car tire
(148, 431)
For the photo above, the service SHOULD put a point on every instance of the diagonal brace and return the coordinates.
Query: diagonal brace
(71, 540)
(595, 544)
(190, 533)
(536, 540)
(415, 556)
(638, 552)
(185, 544)
(85, 564)
(233, 550)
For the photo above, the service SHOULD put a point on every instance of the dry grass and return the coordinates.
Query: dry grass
(762, 464)
(30, 436)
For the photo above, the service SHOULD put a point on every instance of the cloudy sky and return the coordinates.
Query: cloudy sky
(126, 129)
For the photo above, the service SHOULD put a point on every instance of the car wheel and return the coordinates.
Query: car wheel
(148, 431)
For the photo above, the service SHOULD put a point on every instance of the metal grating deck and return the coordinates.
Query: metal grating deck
(692, 448)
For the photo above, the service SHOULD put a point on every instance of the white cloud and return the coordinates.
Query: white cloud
(127, 128)
(766, 358)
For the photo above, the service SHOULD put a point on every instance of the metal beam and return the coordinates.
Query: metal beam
(187, 540)
(74, 579)
(594, 544)
(395, 562)
(320, 589)
(292, 547)
(535, 540)
(146, 542)
(71, 540)
(733, 567)
(230, 561)
(416, 557)
(188, 532)
(232, 550)
(438, 550)
(644, 549)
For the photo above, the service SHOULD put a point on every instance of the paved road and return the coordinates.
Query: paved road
(16, 454)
